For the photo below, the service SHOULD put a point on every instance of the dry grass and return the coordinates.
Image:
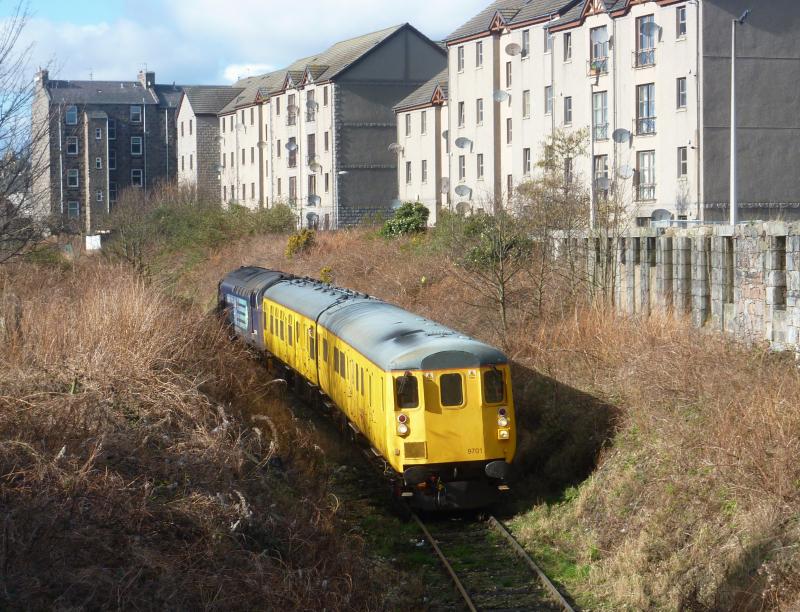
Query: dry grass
(127, 478)
(691, 504)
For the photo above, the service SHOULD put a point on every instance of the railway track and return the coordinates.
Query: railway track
(489, 568)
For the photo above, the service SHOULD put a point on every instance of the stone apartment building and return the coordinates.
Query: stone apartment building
(316, 134)
(101, 137)
(649, 79)
(199, 136)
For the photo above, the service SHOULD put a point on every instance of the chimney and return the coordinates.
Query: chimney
(147, 79)
(42, 77)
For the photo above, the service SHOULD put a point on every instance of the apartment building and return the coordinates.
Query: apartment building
(101, 137)
(649, 79)
(315, 134)
(423, 146)
(198, 127)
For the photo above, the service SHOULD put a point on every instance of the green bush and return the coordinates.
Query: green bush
(300, 242)
(410, 218)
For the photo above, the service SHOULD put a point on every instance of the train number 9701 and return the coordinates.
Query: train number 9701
(474, 451)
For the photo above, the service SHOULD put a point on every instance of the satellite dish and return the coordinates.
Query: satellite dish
(602, 183)
(220, 138)
(445, 186)
(463, 143)
(314, 200)
(313, 219)
(312, 105)
(291, 146)
(446, 134)
(315, 167)
(500, 95)
(621, 136)
(396, 203)
(625, 172)
(218, 168)
(262, 144)
(292, 108)
(513, 49)
(600, 36)
(651, 28)
(462, 208)
(396, 148)
(463, 191)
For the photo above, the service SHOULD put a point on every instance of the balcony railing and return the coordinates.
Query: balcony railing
(291, 119)
(646, 192)
(311, 116)
(597, 66)
(601, 131)
(644, 58)
(645, 126)
(292, 161)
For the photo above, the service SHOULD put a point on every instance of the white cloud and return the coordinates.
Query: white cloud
(234, 72)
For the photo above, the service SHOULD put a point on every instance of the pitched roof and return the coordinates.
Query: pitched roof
(210, 99)
(513, 11)
(112, 92)
(424, 94)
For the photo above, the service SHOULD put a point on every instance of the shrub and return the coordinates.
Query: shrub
(410, 218)
(300, 242)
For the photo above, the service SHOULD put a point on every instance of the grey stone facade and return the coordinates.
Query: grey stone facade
(90, 125)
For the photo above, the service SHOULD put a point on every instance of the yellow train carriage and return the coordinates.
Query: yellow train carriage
(436, 405)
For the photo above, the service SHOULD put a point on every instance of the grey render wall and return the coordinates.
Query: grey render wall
(208, 156)
(45, 198)
(768, 97)
(365, 122)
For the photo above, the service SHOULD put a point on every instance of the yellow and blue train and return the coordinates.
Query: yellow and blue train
(435, 404)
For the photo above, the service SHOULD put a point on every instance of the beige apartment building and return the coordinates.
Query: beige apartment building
(650, 82)
(315, 135)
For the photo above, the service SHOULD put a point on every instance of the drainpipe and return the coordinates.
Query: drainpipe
(144, 142)
(60, 161)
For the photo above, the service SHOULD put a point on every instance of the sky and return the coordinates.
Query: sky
(210, 41)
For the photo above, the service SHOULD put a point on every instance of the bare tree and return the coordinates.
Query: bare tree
(23, 159)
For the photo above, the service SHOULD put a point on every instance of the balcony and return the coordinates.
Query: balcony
(645, 192)
(644, 58)
(311, 116)
(597, 66)
(291, 119)
(601, 131)
(645, 126)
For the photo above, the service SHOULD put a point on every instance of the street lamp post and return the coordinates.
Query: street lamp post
(734, 196)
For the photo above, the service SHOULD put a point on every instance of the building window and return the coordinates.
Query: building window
(72, 145)
(292, 144)
(244, 157)
(646, 109)
(112, 192)
(423, 122)
(291, 110)
(182, 134)
(408, 172)
(292, 189)
(424, 171)
(526, 161)
(183, 164)
(98, 163)
(73, 209)
(136, 145)
(252, 155)
(508, 75)
(479, 54)
(599, 51)
(509, 130)
(526, 43)
(252, 119)
(280, 184)
(231, 123)
(325, 96)
(683, 162)
(112, 129)
(327, 182)
(327, 142)
(136, 113)
(112, 159)
(253, 191)
(99, 196)
(137, 177)
(646, 175)
(278, 107)
(232, 160)
(600, 115)
(72, 178)
(510, 186)
(242, 116)
(408, 124)
(645, 41)
(191, 161)
(680, 22)
(222, 121)
(548, 42)
(462, 167)
(278, 150)
(548, 100)
(568, 170)
(190, 127)
(526, 104)
(567, 110)
(312, 185)
(98, 134)
(479, 111)
(567, 46)
(224, 193)
(71, 116)
(462, 119)
(461, 58)
(480, 166)
(600, 176)
(681, 92)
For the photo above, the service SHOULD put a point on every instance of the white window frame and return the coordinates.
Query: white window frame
(424, 171)
(423, 122)
(460, 58)
(408, 124)
(98, 133)
(73, 173)
(73, 205)
(646, 109)
(135, 113)
(509, 130)
(646, 175)
(567, 110)
(99, 195)
(548, 99)
(681, 93)
(98, 163)
(137, 182)
(680, 22)
(408, 173)
(112, 129)
(112, 159)
(137, 144)
(479, 54)
(526, 44)
(462, 167)
(567, 47)
(600, 115)
(71, 115)
(548, 41)
(526, 161)
(526, 104)
(480, 166)
(683, 162)
(462, 115)
(73, 140)
(479, 111)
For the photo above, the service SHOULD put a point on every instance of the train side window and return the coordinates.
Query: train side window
(297, 330)
(271, 323)
(407, 391)
(289, 326)
(311, 343)
(355, 373)
(363, 393)
(335, 359)
(451, 389)
(342, 365)
(325, 350)
(494, 390)
(281, 327)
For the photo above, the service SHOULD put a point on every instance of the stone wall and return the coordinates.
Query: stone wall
(745, 281)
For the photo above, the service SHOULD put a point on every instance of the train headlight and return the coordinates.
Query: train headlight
(402, 429)
(502, 421)
(503, 434)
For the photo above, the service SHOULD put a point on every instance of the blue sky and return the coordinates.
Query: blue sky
(208, 41)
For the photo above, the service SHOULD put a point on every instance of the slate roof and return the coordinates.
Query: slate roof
(210, 99)
(514, 11)
(568, 17)
(112, 92)
(423, 95)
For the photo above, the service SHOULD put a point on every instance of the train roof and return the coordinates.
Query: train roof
(390, 337)
(250, 279)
